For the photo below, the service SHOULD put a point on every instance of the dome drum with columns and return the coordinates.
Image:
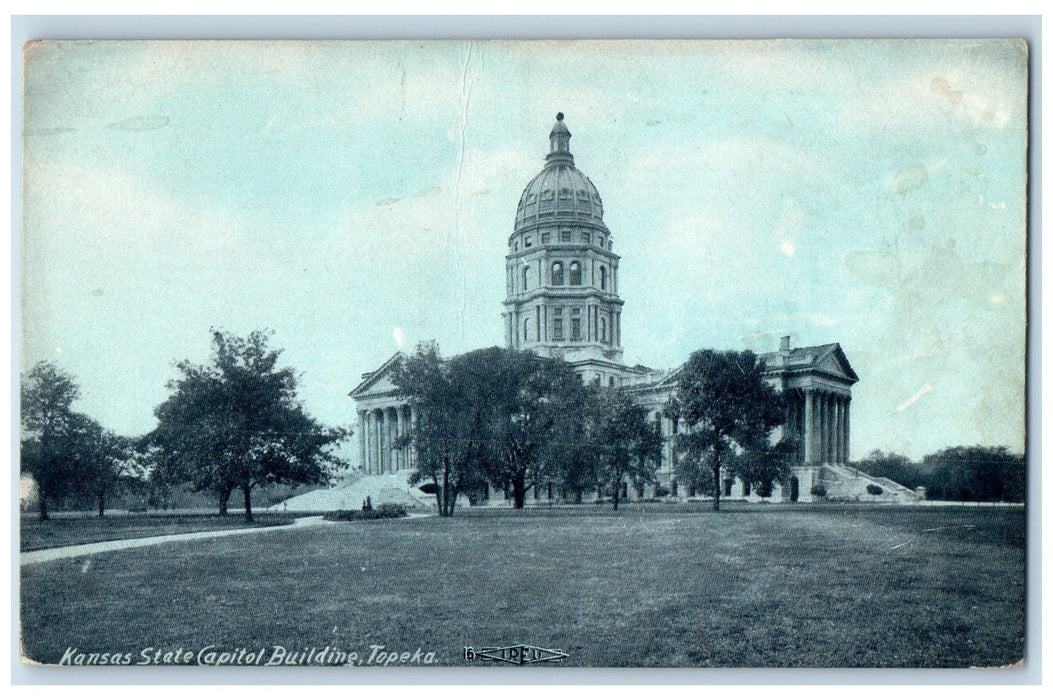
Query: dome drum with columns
(562, 300)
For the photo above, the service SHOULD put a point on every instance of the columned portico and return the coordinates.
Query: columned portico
(381, 432)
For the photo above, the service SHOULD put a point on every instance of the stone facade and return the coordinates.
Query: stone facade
(562, 300)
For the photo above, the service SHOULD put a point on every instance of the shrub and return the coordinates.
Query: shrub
(819, 490)
(660, 492)
(429, 488)
(875, 490)
(385, 511)
(391, 510)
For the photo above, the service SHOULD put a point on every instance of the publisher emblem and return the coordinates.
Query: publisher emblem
(518, 654)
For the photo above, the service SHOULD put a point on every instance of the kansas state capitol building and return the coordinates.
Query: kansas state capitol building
(562, 300)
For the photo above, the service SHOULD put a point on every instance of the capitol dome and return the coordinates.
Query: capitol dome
(560, 193)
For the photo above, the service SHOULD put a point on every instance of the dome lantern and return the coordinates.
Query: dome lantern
(559, 144)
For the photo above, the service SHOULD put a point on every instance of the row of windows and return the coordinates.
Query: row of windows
(564, 193)
(564, 237)
(575, 326)
(556, 276)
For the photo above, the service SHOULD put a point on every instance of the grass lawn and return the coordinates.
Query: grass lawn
(650, 585)
(62, 531)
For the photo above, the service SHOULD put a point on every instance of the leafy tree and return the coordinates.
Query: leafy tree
(571, 456)
(49, 432)
(727, 408)
(237, 423)
(892, 466)
(530, 398)
(629, 446)
(976, 473)
(493, 414)
(105, 461)
(763, 465)
(449, 431)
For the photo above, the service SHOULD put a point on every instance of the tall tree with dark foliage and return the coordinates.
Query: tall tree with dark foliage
(449, 424)
(237, 423)
(628, 445)
(727, 408)
(50, 436)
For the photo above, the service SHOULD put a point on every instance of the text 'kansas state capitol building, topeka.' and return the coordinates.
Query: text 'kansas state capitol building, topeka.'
(562, 300)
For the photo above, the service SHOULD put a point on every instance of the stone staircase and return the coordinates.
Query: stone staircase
(850, 484)
(351, 493)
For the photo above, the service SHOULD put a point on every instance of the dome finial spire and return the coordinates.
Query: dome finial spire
(559, 143)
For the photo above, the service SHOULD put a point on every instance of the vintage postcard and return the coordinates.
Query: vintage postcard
(559, 354)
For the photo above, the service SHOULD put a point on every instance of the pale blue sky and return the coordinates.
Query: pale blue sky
(354, 195)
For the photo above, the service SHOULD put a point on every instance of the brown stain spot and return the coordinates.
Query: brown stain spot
(955, 96)
(988, 115)
(940, 85)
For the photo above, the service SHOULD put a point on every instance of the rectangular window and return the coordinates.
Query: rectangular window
(575, 329)
(528, 242)
(557, 329)
(544, 238)
(564, 236)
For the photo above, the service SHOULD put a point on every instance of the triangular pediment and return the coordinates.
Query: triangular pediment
(834, 362)
(378, 382)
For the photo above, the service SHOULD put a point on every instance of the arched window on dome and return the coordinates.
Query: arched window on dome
(575, 273)
(557, 274)
(603, 278)
(603, 330)
(526, 330)
(526, 278)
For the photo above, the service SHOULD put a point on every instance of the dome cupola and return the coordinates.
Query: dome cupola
(560, 193)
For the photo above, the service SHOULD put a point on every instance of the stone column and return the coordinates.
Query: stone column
(378, 440)
(408, 449)
(837, 429)
(380, 424)
(841, 430)
(826, 427)
(819, 453)
(399, 430)
(362, 438)
(832, 415)
(831, 428)
(391, 419)
(366, 442)
(810, 431)
(848, 428)
(412, 425)
(367, 434)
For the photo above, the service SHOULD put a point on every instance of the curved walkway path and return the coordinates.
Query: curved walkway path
(80, 550)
